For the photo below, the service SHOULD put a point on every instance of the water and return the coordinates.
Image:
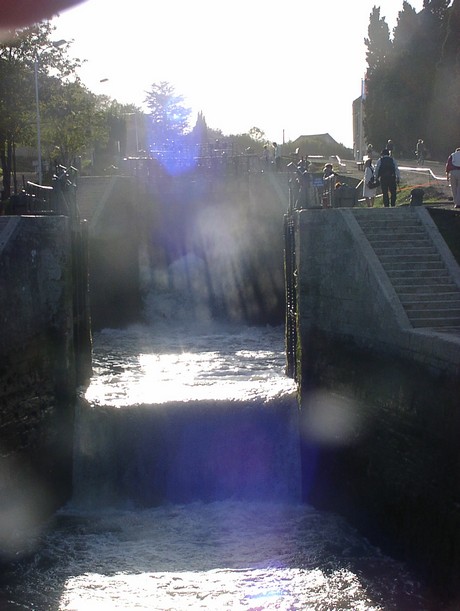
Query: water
(187, 490)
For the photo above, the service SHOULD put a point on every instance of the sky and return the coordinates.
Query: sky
(290, 69)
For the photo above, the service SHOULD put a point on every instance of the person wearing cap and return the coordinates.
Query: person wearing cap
(387, 172)
(328, 170)
(453, 175)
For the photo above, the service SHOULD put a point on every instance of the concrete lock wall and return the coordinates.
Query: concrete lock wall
(379, 401)
(37, 376)
(111, 205)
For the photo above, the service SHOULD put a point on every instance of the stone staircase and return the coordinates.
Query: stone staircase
(414, 266)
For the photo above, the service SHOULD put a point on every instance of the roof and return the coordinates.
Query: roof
(324, 138)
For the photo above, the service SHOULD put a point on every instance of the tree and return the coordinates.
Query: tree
(413, 81)
(408, 94)
(199, 134)
(376, 119)
(444, 104)
(257, 134)
(73, 120)
(169, 117)
(28, 52)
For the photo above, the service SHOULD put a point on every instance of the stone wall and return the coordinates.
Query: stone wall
(37, 375)
(111, 205)
(344, 291)
(379, 402)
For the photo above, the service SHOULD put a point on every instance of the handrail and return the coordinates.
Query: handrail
(428, 170)
(44, 199)
(329, 188)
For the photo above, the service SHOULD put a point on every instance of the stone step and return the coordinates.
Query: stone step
(398, 243)
(395, 229)
(436, 322)
(413, 266)
(422, 265)
(417, 273)
(388, 222)
(430, 297)
(399, 212)
(434, 281)
(425, 309)
(387, 259)
(401, 229)
(405, 251)
(440, 313)
(414, 229)
(433, 289)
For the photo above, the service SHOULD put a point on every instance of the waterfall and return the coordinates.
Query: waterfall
(187, 487)
(185, 412)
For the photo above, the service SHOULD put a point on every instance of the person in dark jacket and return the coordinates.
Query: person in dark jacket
(388, 172)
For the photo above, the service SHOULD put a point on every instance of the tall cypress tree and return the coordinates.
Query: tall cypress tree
(413, 81)
(405, 82)
(378, 50)
(444, 119)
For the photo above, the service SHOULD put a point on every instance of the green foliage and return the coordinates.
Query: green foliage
(199, 134)
(169, 116)
(243, 142)
(257, 134)
(28, 54)
(73, 119)
(444, 121)
(410, 90)
(377, 79)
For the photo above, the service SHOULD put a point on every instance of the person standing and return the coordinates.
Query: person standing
(277, 156)
(390, 147)
(266, 157)
(420, 152)
(369, 192)
(387, 172)
(453, 174)
(328, 170)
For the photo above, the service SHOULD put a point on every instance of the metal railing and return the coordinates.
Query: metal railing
(290, 272)
(58, 199)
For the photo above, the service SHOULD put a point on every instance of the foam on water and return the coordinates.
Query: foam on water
(235, 364)
(226, 554)
(214, 556)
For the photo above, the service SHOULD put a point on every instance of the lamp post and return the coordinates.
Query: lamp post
(56, 44)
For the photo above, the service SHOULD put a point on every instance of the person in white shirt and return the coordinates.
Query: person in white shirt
(453, 174)
(368, 192)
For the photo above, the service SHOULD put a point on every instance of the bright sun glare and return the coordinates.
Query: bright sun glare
(289, 70)
(162, 378)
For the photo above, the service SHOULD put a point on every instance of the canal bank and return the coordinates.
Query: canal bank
(377, 360)
(44, 349)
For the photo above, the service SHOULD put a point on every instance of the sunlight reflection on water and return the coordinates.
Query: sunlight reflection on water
(228, 554)
(284, 589)
(252, 556)
(185, 369)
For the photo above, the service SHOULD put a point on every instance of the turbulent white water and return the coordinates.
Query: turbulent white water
(232, 364)
(223, 554)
